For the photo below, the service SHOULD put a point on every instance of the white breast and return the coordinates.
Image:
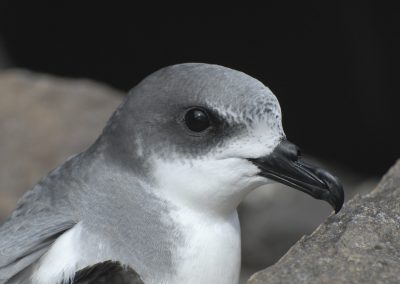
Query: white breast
(62, 259)
(67, 255)
(211, 252)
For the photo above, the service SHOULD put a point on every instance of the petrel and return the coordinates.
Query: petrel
(157, 192)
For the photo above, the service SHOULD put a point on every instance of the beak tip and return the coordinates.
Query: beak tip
(337, 208)
(336, 195)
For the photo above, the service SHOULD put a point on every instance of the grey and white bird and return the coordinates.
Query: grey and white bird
(158, 190)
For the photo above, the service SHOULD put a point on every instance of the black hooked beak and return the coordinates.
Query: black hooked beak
(284, 165)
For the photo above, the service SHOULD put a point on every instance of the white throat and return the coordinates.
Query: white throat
(214, 187)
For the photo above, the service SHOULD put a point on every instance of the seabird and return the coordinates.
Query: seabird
(157, 192)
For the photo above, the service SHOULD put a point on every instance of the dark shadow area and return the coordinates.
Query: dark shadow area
(333, 67)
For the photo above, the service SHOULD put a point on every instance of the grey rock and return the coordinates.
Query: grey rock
(274, 217)
(361, 244)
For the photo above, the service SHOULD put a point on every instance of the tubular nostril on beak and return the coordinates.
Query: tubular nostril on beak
(290, 150)
(298, 153)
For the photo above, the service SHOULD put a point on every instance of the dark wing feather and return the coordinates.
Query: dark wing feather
(108, 272)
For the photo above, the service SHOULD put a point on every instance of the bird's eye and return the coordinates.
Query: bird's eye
(197, 120)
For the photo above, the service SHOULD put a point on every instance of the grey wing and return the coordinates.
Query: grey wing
(28, 233)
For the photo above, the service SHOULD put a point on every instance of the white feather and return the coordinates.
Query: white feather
(61, 261)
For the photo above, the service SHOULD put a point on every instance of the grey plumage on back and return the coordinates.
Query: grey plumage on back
(40, 217)
(87, 188)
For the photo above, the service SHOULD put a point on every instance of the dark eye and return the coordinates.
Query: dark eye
(197, 120)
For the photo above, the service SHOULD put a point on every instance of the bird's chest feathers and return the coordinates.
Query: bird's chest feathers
(210, 252)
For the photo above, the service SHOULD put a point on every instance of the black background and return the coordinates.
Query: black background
(334, 68)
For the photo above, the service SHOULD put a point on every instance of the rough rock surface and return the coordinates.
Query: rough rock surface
(361, 244)
(43, 120)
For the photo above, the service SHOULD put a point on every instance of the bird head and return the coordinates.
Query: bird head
(204, 136)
